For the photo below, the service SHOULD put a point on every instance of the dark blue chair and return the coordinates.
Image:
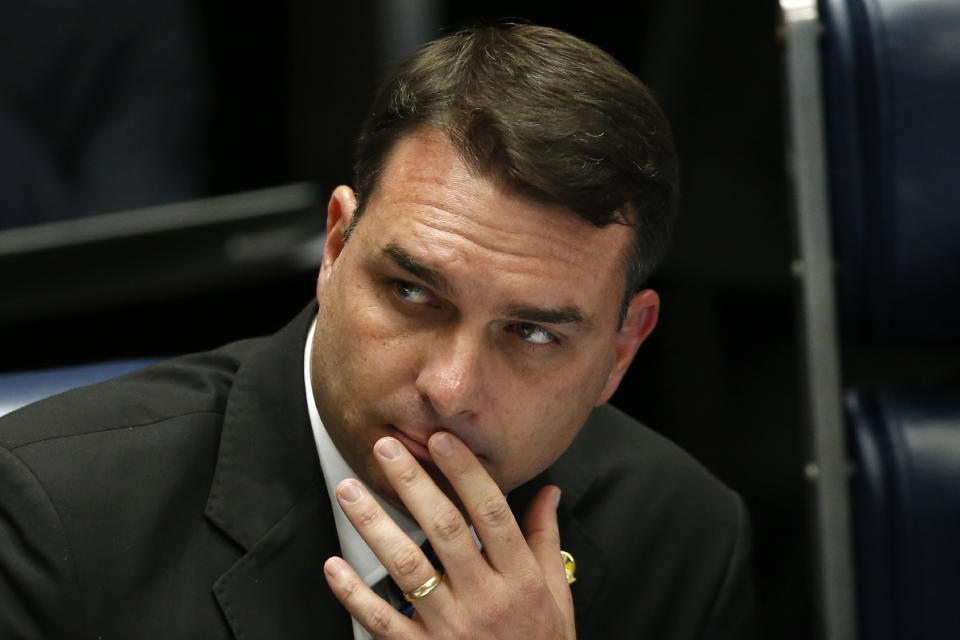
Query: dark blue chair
(906, 511)
(891, 73)
(891, 83)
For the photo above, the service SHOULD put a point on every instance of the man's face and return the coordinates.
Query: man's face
(457, 305)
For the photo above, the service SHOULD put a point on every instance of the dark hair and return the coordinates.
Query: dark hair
(556, 117)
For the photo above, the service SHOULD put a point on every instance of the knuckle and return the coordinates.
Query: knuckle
(496, 610)
(406, 560)
(350, 590)
(448, 522)
(367, 517)
(462, 469)
(408, 476)
(379, 620)
(494, 511)
(529, 582)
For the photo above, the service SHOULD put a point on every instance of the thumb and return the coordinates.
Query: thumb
(543, 537)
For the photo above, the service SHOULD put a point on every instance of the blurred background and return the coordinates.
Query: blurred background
(165, 166)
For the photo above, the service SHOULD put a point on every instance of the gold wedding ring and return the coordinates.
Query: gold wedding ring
(424, 590)
(569, 566)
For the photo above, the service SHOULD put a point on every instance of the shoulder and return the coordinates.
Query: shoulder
(635, 474)
(626, 456)
(142, 434)
(194, 384)
(101, 478)
(675, 539)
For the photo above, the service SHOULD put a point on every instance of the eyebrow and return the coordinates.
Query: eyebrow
(413, 266)
(562, 315)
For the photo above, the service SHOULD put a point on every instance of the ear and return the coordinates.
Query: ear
(639, 322)
(340, 211)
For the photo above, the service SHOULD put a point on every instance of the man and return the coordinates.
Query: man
(479, 301)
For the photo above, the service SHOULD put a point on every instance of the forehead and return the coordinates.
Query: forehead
(431, 203)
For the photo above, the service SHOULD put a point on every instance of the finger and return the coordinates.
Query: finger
(439, 517)
(400, 555)
(503, 542)
(370, 610)
(543, 536)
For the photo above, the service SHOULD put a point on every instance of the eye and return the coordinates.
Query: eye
(409, 292)
(534, 334)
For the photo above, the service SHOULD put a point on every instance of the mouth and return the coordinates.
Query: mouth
(417, 449)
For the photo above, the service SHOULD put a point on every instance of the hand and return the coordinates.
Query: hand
(515, 588)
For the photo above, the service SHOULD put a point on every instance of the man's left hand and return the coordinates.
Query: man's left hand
(515, 588)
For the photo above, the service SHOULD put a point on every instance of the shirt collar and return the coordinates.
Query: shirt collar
(335, 469)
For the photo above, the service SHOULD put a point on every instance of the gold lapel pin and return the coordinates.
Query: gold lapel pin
(569, 566)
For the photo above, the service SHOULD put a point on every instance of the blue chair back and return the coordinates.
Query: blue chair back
(907, 512)
(891, 74)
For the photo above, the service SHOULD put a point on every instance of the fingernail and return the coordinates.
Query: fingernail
(442, 443)
(556, 498)
(351, 492)
(389, 449)
(333, 567)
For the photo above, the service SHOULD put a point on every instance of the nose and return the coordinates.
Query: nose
(451, 378)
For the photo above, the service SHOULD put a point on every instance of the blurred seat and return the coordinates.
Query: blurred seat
(891, 72)
(906, 511)
(22, 388)
(123, 258)
(891, 81)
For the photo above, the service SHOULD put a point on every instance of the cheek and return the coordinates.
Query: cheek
(539, 432)
(553, 395)
(376, 354)
(369, 315)
(542, 415)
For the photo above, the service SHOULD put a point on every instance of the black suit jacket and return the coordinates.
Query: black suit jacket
(186, 500)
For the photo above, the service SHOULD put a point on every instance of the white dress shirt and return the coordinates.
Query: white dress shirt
(335, 469)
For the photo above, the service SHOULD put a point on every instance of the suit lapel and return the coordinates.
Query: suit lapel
(277, 590)
(268, 496)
